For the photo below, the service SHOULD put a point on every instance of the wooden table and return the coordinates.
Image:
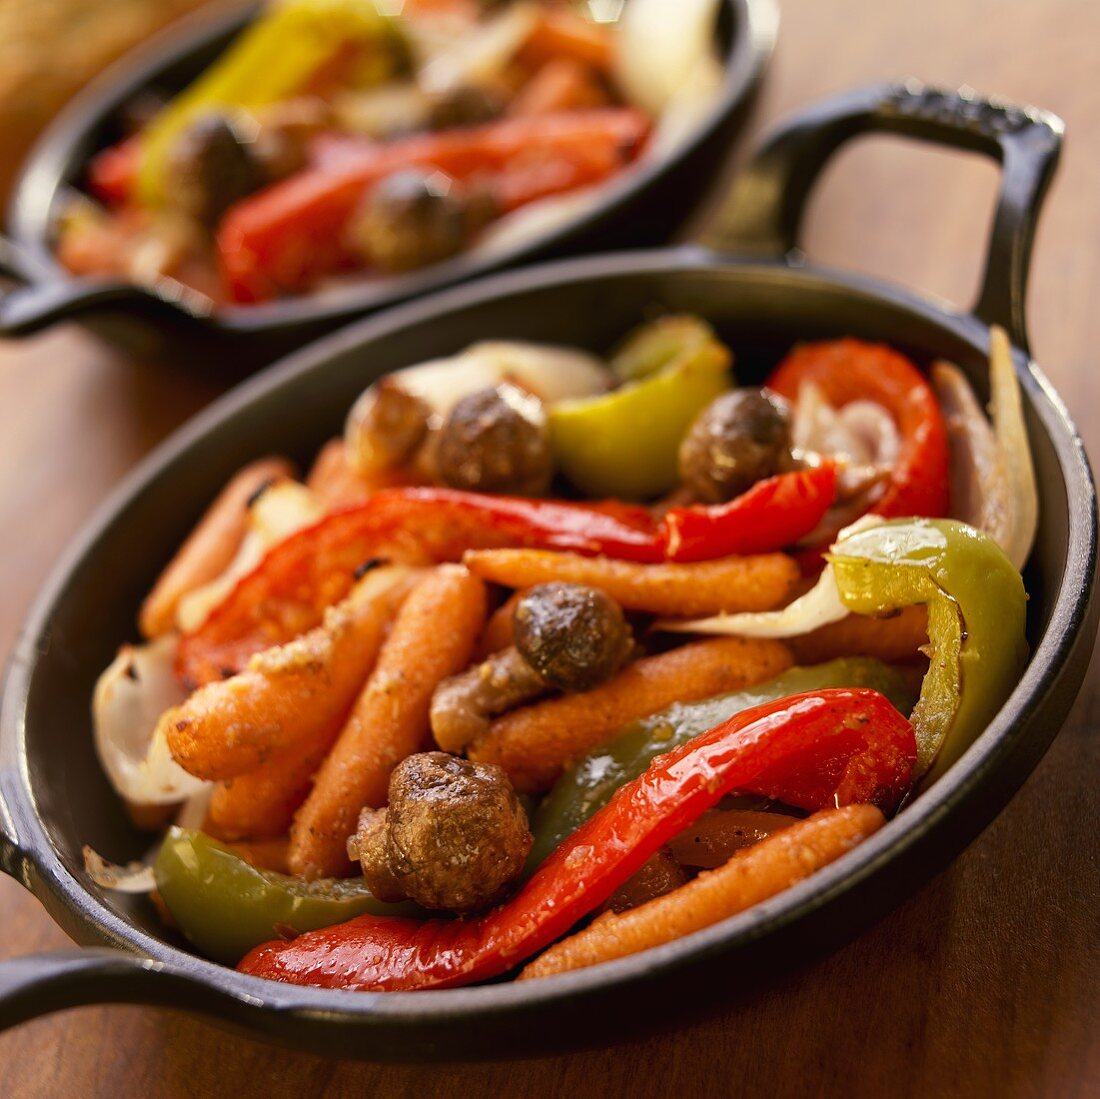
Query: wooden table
(988, 981)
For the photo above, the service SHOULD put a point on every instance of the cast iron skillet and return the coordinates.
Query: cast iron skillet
(643, 208)
(55, 798)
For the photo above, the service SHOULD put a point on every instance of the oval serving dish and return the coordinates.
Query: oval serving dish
(750, 282)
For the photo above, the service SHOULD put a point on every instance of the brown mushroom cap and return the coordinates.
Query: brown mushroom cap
(573, 635)
(454, 836)
(741, 437)
(496, 440)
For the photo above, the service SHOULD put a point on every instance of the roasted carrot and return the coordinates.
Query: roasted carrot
(534, 743)
(287, 694)
(729, 584)
(262, 803)
(433, 637)
(498, 631)
(336, 484)
(754, 875)
(564, 84)
(563, 33)
(901, 636)
(333, 480)
(266, 854)
(210, 546)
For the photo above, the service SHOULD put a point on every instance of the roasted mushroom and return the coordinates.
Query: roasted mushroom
(574, 636)
(453, 837)
(466, 105)
(568, 637)
(392, 425)
(740, 438)
(212, 165)
(496, 440)
(412, 218)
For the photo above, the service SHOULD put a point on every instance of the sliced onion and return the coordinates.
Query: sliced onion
(659, 46)
(134, 877)
(978, 486)
(992, 473)
(480, 54)
(192, 813)
(550, 372)
(686, 108)
(1006, 405)
(820, 606)
(130, 696)
(860, 432)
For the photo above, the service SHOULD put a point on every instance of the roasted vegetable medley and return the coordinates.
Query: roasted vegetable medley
(553, 658)
(356, 138)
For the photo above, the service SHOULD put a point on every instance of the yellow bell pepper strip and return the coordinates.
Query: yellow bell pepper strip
(976, 617)
(587, 787)
(272, 60)
(626, 443)
(832, 747)
(226, 906)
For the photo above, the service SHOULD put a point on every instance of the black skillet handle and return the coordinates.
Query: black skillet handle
(33, 304)
(764, 214)
(41, 984)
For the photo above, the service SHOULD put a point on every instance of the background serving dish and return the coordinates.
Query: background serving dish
(644, 207)
(56, 801)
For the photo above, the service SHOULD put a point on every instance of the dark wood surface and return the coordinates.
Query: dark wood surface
(988, 981)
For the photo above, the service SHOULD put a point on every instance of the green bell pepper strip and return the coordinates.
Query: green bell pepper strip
(226, 906)
(626, 444)
(588, 786)
(977, 610)
(272, 60)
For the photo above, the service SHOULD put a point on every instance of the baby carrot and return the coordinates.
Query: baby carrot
(210, 547)
(753, 875)
(534, 743)
(432, 638)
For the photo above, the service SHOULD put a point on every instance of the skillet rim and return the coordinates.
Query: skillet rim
(1070, 619)
(30, 213)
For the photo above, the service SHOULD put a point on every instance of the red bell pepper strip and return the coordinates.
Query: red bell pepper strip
(286, 594)
(112, 172)
(774, 513)
(850, 370)
(831, 747)
(291, 233)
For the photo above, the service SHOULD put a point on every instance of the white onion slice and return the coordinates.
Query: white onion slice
(820, 606)
(481, 53)
(134, 877)
(659, 45)
(1006, 405)
(130, 696)
(686, 109)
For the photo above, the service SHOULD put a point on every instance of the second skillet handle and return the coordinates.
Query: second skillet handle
(764, 214)
(35, 303)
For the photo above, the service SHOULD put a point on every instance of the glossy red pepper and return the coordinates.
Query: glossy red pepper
(774, 513)
(287, 593)
(832, 747)
(288, 235)
(850, 370)
(112, 173)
